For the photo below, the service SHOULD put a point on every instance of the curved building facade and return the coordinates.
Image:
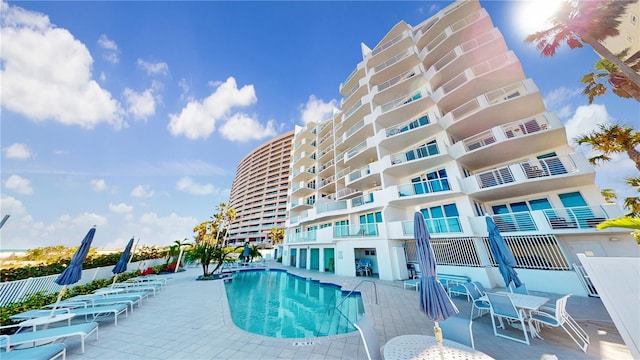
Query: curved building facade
(259, 191)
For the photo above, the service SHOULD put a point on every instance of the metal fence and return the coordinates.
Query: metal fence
(13, 291)
(534, 252)
(540, 252)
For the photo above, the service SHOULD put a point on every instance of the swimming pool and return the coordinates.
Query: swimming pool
(278, 304)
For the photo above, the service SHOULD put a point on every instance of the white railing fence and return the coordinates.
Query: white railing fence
(13, 291)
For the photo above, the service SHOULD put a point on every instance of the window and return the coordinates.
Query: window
(368, 223)
(441, 219)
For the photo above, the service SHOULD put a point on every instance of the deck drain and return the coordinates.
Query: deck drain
(302, 343)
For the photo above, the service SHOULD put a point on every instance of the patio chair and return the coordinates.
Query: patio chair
(458, 329)
(95, 312)
(560, 318)
(50, 334)
(477, 303)
(369, 338)
(522, 289)
(502, 307)
(481, 289)
(459, 290)
(43, 352)
(412, 283)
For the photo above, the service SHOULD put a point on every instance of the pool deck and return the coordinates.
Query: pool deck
(191, 320)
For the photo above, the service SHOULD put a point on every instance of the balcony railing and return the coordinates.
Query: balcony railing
(331, 206)
(345, 192)
(409, 74)
(525, 127)
(362, 200)
(356, 149)
(302, 237)
(424, 187)
(580, 217)
(352, 109)
(391, 61)
(557, 165)
(480, 140)
(435, 225)
(495, 177)
(388, 44)
(362, 230)
(354, 128)
(362, 172)
(534, 252)
(417, 153)
(517, 221)
(401, 101)
(408, 125)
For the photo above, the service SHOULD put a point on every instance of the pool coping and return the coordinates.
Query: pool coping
(226, 313)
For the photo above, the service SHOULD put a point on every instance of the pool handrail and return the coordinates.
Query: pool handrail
(375, 290)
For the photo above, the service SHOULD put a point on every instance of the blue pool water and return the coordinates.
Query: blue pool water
(278, 304)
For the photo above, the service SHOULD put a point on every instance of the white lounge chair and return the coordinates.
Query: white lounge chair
(50, 334)
(412, 283)
(560, 318)
(43, 352)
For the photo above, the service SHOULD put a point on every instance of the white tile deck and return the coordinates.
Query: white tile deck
(190, 320)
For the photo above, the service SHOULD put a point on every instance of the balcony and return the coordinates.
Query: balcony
(444, 225)
(347, 193)
(358, 111)
(302, 174)
(356, 74)
(530, 177)
(300, 189)
(479, 49)
(415, 194)
(325, 183)
(517, 139)
(326, 153)
(362, 200)
(304, 159)
(501, 70)
(397, 43)
(404, 107)
(354, 231)
(400, 63)
(364, 178)
(438, 22)
(305, 145)
(477, 22)
(326, 168)
(301, 237)
(516, 101)
(363, 153)
(331, 206)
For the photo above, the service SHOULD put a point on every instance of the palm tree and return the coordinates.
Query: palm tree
(609, 195)
(588, 22)
(276, 235)
(612, 139)
(607, 72)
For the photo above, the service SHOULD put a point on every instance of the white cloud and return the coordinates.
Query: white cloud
(141, 105)
(120, 208)
(11, 206)
(160, 68)
(19, 185)
(184, 86)
(99, 185)
(316, 110)
(143, 191)
(17, 151)
(586, 119)
(242, 128)
(107, 43)
(556, 100)
(46, 73)
(111, 49)
(198, 118)
(186, 184)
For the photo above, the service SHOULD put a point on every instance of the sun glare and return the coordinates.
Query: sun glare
(532, 16)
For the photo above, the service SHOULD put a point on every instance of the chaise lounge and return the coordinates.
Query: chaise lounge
(44, 352)
(50, 334)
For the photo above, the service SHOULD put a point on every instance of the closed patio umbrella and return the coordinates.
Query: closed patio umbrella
(502, 254)
(245, 252)
(73, 272)
(434, 300)
(121, 265)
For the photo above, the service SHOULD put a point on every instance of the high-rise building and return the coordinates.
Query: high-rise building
(440, 118)
(629, 37)
(259, 191)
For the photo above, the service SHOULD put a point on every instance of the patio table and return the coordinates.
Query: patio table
(419, 347)
(528, 303)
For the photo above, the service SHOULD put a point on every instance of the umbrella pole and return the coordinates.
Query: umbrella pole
(438, 334)
(55, 306)
(114, 280)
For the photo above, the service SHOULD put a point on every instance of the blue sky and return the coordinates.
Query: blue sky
(133, 116)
